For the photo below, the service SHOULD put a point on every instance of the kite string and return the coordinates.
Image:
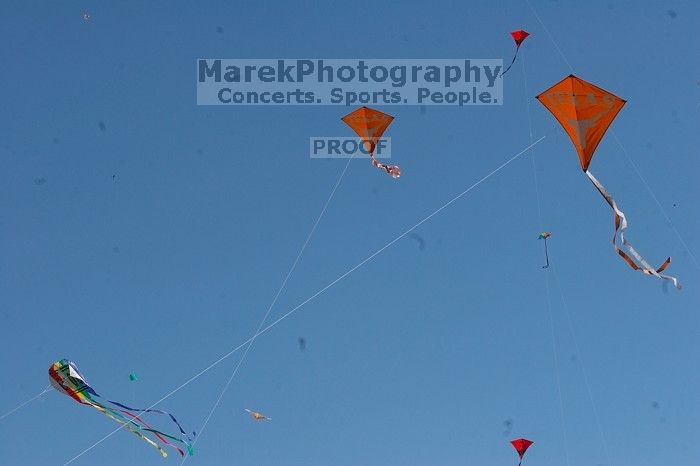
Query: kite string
(557, 372)
(322, 290)
(272, 304)
(25, 403)
(583, 366)
(556, 277)
(656, 199)
(551, 38)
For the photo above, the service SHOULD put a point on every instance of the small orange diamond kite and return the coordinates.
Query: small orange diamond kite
(370, 124)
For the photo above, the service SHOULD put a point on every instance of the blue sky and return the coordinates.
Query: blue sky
(419, 356)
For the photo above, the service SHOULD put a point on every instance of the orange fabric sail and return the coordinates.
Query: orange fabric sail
(370, 124)
(584, 110)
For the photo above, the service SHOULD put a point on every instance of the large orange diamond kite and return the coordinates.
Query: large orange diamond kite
(584, 110)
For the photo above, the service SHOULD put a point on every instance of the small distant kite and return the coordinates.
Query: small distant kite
(370, 124)
(65, 378)
(257, 416)
(86, 17)
(518, 36)
(521, 445)
(544, 235)
(133, 377)
(585, 111)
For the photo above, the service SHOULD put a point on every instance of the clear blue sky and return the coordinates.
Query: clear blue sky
(420, 356)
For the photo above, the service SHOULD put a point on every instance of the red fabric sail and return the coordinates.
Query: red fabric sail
(521, 445)
(519, 36)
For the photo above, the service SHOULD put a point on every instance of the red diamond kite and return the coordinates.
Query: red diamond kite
(585, 111)
(518, 36)
(521, 445)
(370, 124)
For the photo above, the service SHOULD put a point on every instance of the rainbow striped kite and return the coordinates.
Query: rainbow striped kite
(65, 377)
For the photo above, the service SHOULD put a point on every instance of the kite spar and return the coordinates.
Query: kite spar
(585, 111)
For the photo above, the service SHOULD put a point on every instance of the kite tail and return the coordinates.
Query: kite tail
(157, 411)
(161, 436)
(546, 254)
(512, 61)
(128, 425)
(392, 170)
(621, 226)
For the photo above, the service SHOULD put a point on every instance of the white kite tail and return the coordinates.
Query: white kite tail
(392, 170)
(621, 225)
